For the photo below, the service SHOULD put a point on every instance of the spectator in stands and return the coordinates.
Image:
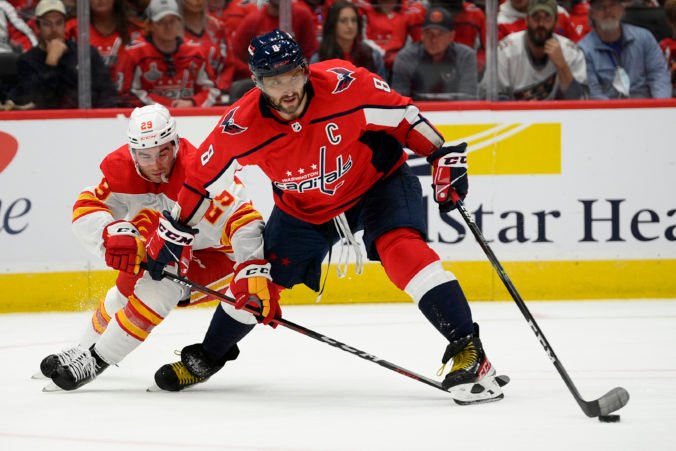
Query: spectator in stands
(342, 38)
(436, 67)
(207, 31)
(579, 18)
(110, 30)
(469, 24)
(668, 45)
(47, 75)
(231, 13)
(262, 21)
(538, 64)
(388, 26)
(15, 34)
(512, 18)
(622, 60)
(163, 68)
(647, 14)
(267, 19)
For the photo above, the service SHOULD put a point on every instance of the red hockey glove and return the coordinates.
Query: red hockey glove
(124, 247)
(252, 286)
(449, 175)
(170, 244)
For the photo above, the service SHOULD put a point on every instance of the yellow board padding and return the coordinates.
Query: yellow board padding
(509, 149)
(535, 280)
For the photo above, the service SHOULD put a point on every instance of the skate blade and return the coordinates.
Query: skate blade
(49, 388)
(154, 389)
(39, 376)
(489, 389)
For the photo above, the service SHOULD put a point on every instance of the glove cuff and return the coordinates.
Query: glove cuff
(253, 268)
(444, 150)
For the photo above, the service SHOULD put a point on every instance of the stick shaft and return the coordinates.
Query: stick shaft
(591, 409)
(310, 333)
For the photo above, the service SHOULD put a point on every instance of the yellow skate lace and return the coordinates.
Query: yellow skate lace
(185, 377)
(462, 360)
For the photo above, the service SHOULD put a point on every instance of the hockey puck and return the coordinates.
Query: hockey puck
(609, 418)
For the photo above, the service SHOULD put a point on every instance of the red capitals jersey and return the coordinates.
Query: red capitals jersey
(389, 31)
(213, 40)
(110, 47)
(668, 47)
(145, 75)
(321, 164)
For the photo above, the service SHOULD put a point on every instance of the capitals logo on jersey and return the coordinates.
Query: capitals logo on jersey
(345, 79)
(228, 124)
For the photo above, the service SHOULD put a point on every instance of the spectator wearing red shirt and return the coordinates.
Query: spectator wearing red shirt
(388, 26)
(267, 19)
(668, 45)
(163, 68)
(110, 30)
(512, 18)
(232, 12)
(579, 17)
(15, 34)
(469, 23)
(207, 31)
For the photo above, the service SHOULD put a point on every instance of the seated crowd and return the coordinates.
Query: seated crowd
(190, 53)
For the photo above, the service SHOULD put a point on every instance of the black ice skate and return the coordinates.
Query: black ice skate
(472, 378)
(81, 370)
(52, 361)
(195, 366)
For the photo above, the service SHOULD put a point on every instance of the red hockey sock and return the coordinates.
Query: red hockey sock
(404, 254)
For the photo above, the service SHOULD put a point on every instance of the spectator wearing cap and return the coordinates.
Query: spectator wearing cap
(512, 18)
(47, 75)
(623, 61)
(538, 64)
(436, 67)
(162, 67)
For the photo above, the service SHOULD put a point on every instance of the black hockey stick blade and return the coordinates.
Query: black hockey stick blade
(614, 400)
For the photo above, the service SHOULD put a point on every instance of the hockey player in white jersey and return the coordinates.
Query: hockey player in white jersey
(140, 180)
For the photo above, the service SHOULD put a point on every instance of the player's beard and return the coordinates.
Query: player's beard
(539, 35)
(293, 109)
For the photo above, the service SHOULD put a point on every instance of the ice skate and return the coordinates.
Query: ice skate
(81, 370)
(195, 366)
(472, 378)
(52, 361)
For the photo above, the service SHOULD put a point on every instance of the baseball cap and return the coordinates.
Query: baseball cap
(45, 6)
(157, 9)
(548, 6)
(438, 18)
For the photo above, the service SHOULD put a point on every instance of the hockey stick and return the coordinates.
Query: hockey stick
(614, 400)
(312, 334)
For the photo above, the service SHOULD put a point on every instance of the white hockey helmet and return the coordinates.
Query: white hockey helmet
(151, 126)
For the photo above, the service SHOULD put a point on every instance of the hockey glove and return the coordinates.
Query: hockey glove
(449, 175)
(170, 244)
(252, 286)
(124, 247)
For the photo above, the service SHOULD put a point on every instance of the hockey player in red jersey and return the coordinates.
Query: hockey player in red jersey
(331, 139)
(140, 180)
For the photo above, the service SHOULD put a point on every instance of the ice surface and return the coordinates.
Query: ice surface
(290, 392)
